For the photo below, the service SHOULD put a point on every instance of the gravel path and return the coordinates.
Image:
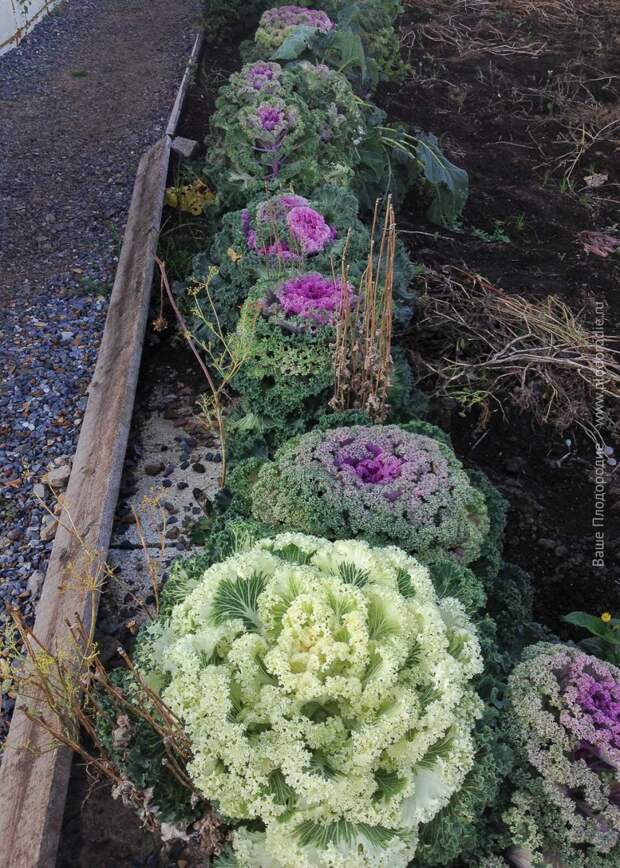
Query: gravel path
(83, 96)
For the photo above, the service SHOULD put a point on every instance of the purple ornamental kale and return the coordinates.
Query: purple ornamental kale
(270, 117)
(378, 482)
(263, 76)
(592, 705)
(293, 16)
(375, 468)
(390, 462)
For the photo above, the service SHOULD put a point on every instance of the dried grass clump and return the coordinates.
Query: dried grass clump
(481, 346)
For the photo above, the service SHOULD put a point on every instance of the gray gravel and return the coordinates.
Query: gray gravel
(80, 100)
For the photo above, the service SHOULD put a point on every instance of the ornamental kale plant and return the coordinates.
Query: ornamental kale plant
(324, 91)
(273, 128)
(381, 483)
(563, 719)
(327, 697)
(360, 41)
(291, 232)
(277, 24)
(287, 329)
(267, 144)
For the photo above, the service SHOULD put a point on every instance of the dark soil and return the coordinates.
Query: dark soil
(503, 84)
(504, 119)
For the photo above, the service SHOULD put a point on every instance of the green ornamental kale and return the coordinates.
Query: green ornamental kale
(273, 129)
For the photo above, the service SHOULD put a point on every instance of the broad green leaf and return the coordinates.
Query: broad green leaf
(414, 656)
(321, 765)
(352, 575)
(449, 184)
(404, 583)
(593, 624)
(292, 554)
(350, 50)
(379, 625)
(283, 794)
(389, 784)
(298, 41)
(322, 835)
(441, 748)
(238, 598)
(374, 664)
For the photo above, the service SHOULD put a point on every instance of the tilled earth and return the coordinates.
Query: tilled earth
(80, 100)
(525, 94)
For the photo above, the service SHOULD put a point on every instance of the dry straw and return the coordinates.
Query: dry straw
(481, 345)
(363, 347)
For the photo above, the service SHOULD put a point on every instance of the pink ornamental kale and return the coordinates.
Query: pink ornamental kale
(312, 297)
(309, 229)
(592, 700)
(274, 211)
(287, 227)
(564, 722)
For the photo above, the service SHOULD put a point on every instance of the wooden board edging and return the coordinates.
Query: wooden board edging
(177, 108)
(33, 777)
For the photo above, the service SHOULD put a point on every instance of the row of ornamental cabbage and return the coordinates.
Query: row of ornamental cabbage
(354, 664)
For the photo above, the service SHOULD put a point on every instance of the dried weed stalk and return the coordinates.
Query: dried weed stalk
(62, 687)
(363, 348)
(483, 38)
(74, 683)
(219, 361)
(482, 346)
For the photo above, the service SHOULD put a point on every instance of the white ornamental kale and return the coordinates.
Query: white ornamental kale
(326, 692)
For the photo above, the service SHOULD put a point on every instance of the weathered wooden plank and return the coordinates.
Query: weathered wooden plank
(33, 778)
(177, 108)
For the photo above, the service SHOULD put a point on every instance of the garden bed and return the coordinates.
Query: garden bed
(522, 239)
